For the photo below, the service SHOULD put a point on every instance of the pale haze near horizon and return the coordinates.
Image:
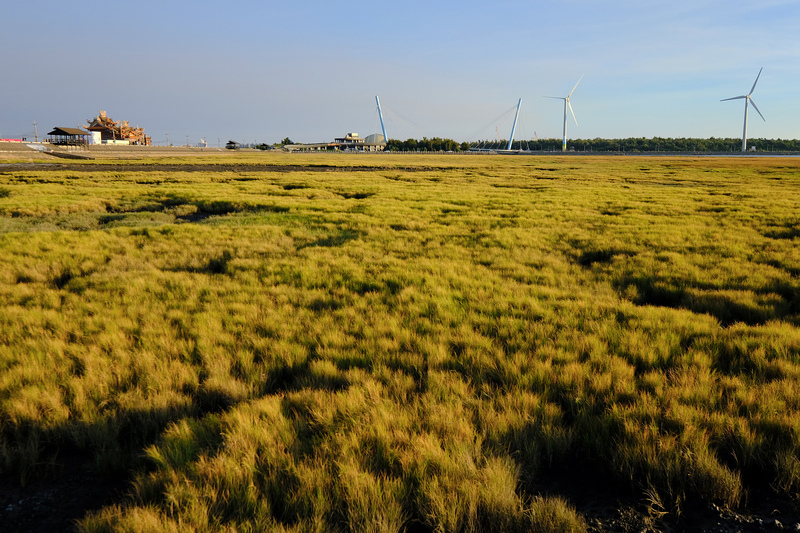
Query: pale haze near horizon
(262, 71)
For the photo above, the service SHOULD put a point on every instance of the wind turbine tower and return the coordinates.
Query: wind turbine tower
(567, 105)
(747, 100)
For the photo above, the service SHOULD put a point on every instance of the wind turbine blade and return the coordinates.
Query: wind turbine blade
(756, 108)
(754, 83)
(573, 112)
(576, 86)
(734, 98)
(555, 97)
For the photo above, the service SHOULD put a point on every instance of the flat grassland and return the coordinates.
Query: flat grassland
(403, 343)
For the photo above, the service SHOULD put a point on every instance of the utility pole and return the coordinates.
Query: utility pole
(35, 133)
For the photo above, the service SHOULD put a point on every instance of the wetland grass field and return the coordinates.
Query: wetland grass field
(277, 342)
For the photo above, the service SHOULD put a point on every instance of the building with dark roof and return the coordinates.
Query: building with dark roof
(68, 136)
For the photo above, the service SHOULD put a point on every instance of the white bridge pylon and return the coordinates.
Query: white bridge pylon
(514, 127)
(380, 114)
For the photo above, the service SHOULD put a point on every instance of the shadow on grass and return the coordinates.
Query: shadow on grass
(186, 209)
(644, 290)
(219, 264)
(55, 475)
(602, 256)
(338, 239)
(788, 231)
(357, 195)
(587, 254)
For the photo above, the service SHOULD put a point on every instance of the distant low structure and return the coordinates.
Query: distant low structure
(68, 136)
(107, 131)
(350, 142)
(375, 138)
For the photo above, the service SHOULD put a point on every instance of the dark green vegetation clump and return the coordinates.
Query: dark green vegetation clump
(420, 345)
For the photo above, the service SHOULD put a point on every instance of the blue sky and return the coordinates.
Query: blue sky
(261, 71)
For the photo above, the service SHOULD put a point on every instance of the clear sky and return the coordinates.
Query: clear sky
(260, 71)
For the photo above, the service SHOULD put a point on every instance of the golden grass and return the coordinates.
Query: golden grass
(376, 343)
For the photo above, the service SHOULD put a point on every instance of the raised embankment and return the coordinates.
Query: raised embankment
(23, 151)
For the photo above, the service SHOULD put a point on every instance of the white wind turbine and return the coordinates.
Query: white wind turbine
(567, 105)
(747, 99)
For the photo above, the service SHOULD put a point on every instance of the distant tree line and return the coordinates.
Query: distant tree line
(437, 144)
(632, 144)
